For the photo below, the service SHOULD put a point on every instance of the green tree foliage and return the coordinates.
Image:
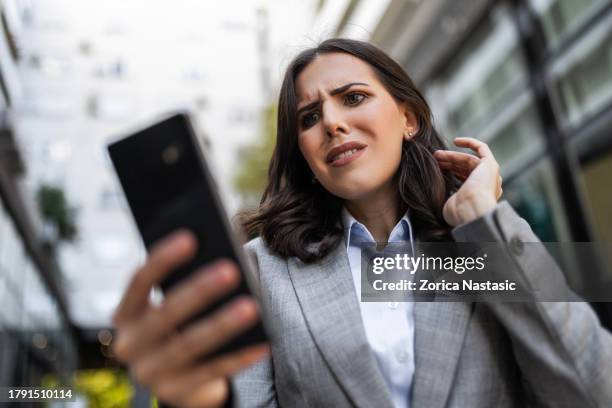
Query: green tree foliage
(55, 210)
(102, 388)
(105, 388)
(252, 174)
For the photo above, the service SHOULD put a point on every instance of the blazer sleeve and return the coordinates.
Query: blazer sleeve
(564, 353)
(254, 386)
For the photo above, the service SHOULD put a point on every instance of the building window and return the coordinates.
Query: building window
(561, 18)
(114, 68)
(596, 178)
(483, 93)
(582, 76)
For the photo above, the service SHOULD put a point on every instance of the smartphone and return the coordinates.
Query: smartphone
(168, 185)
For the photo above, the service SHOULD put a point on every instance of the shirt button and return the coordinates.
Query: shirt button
(393, 305)
(401, 356)
(517, 245)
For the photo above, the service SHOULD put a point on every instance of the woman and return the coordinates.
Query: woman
(357, 155)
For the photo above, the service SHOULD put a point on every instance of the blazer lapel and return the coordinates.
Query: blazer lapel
(440, 329)
(330, 305)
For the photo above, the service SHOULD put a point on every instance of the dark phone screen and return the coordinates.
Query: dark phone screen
(168, 186)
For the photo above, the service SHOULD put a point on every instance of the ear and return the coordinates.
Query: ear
(411, 125)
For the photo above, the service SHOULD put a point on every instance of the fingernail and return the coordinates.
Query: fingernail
(224, 273)
(182, 238)
(244, 309)
(215, 275)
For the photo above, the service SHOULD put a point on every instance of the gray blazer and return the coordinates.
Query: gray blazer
(553, 354)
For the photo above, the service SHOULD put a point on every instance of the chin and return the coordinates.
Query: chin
(352, 190)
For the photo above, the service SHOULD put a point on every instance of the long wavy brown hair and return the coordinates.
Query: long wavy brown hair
(297, 217)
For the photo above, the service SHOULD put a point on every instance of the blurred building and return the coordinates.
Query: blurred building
(90, 75)
(79, 74)
(533, 79)
(36, 337)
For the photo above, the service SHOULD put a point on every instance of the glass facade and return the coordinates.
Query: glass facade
(580, 85)
(484, 93)
(596, 176)
(487, 89)
(582, 76)
(534, 195)
(36, 343)
(562, 18)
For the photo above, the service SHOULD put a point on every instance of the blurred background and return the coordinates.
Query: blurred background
(533, 78)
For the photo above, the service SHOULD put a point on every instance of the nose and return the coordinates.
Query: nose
(334, 121)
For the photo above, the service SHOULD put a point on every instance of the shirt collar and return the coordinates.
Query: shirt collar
(355, 232)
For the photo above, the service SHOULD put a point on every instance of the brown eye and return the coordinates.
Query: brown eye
(309, 119)
(354, 98)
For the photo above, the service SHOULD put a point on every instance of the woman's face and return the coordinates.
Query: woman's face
(350, 127)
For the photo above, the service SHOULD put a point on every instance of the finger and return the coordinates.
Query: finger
(215, 390)
(191, 296)
(184, 383)
(461, 172)
(483, 151)
(165, 256)
(451, 167)
(457, 166)
(449, 211)
(200, 339)
(461, 176)
(464, 159)
(210, 284)
(481, 148)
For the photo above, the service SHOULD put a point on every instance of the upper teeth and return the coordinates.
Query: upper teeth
(344, 154)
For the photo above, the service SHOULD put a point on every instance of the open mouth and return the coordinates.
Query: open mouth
(345, 153)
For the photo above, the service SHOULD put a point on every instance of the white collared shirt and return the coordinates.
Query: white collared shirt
(389, 326)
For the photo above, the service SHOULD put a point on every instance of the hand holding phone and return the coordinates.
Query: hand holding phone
(167, 360)
(207, 327)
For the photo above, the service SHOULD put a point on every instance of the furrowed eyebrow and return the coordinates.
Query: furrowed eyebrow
(333, 92)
